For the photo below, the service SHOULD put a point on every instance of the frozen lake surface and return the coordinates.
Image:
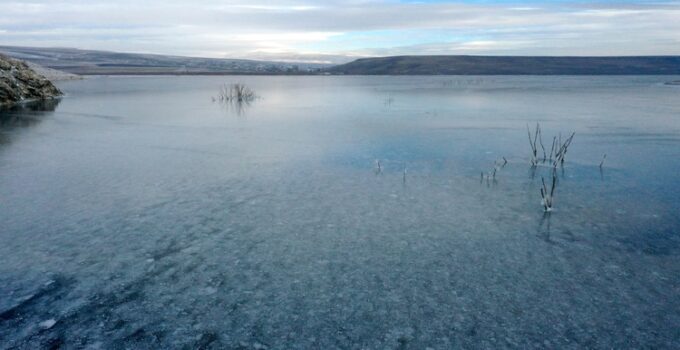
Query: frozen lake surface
(136, 213)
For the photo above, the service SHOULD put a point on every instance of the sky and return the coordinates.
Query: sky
(337, 31)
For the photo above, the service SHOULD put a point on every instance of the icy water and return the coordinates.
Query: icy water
(137, 213)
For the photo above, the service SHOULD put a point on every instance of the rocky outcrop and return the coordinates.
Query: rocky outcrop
(18, 82)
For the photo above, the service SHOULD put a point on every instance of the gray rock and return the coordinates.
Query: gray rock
(18, 82)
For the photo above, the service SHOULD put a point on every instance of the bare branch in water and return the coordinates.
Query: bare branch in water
(532, 143)
(562, 151)
(552, 189)
(552, 149)
(547, 197)
(235, 93)
(535, 138)
(540, 139)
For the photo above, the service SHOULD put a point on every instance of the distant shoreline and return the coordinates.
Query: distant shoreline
(511, 65)
(91, 62)
(366, 75)
(131, 73)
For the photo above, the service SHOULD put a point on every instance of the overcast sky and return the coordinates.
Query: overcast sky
(326, 30)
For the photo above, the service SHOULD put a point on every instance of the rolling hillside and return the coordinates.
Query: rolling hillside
(510, 65)
(91, 62)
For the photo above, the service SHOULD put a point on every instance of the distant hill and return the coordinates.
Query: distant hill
(90, 62)
(510, 65)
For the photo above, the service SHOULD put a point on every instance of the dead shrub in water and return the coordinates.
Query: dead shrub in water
(235, 93)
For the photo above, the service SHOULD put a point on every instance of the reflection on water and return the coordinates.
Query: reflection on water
(344, 212)
(234, 107)
(24, 115)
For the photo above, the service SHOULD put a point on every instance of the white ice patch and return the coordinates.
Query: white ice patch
(47, 324)
(208, 291)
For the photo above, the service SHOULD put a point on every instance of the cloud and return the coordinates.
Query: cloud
(333, 29)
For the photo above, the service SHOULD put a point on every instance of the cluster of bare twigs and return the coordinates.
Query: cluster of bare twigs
(562, 150)
(532, 143)
(491, 175)
(238, 93)
(554, 158)
(557, 154)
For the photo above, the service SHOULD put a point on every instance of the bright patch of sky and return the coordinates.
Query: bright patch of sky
(338, 30)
